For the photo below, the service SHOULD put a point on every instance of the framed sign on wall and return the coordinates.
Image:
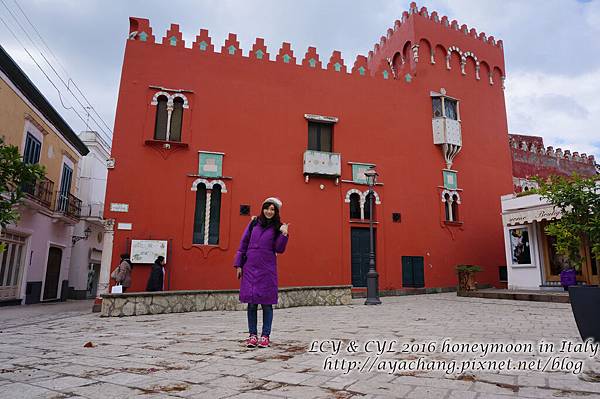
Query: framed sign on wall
(146, 251)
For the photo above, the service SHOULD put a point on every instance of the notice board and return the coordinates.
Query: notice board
(146, 251)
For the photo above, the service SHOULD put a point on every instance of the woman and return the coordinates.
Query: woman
(122, 274)
(157, 275)
(263, 238)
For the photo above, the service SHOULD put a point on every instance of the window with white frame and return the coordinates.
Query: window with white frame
(31, 152)
(520, 248)
(11, 264)
(359, 204)
(445, 107)
(207, 212)
(168, 122)
(451, 201)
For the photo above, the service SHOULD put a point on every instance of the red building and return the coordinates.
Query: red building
(202, 137)
(531, 158)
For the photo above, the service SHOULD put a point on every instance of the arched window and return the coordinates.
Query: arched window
(200, 214)
(176, 120)
(455, 208)
(367, 212)
(448, 207)
(160, 127)
(207, 216)
(354, 206)
(215, 215)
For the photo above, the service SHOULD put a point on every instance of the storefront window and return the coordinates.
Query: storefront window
(519, 246)
(558, 262)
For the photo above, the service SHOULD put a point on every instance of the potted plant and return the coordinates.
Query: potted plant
(578, 199)
(466, 277)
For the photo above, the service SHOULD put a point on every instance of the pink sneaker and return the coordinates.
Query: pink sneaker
(252, 341)
(264, 341)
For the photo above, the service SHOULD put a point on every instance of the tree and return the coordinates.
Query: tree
(14, 174)
(578, 199)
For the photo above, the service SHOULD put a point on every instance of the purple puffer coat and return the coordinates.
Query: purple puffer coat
(259, 276)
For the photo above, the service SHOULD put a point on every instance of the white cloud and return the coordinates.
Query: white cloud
(563, 109)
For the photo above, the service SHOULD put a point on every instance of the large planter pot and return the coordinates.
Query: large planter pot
(585, 303)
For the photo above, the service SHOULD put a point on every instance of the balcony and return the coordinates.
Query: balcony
(92, 212)
(68, 205)
(446, 131)
(322, 164)
(39, 192)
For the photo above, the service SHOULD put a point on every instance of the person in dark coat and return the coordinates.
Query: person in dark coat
(256, 265)
(157, 275)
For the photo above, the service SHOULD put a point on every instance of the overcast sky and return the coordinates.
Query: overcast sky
(552, 47)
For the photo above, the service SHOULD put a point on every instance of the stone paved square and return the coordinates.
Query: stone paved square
(202, 355)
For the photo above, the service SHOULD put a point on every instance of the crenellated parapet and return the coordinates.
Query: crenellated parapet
(420, 37)
(517, 142)
(141, 31)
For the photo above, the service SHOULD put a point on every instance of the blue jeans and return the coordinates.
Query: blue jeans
(253, 319)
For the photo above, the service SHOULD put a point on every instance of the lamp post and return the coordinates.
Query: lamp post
(86, 235)
(372, 275)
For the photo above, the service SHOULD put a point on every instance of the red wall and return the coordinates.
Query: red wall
(253, 111)
(531, 158)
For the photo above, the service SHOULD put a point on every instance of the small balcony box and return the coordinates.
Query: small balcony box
(322, 163)
(446, 131)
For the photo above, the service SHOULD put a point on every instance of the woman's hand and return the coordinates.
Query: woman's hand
(239, 272)
(284, 229)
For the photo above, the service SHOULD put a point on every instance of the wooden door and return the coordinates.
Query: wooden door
(360, 255)
(52, 273)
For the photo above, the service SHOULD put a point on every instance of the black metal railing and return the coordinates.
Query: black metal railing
(68, 204)
(40, 191)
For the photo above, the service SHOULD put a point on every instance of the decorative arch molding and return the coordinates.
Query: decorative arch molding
(184, 98)
(353, 191)
(158, 94)
(377, 200)
(209, 184)
(463, 63)
(451, 194)
(170, 98)
(453, 49)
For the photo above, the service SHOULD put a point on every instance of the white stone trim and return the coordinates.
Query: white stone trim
(184, 98)
(158, 94)
(449, 55)
(209, 184)
(353, 191)
(207, 217)
(377, 200)
(451, 193)
(35, 132)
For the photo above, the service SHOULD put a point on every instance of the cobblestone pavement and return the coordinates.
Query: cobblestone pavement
(43, 353)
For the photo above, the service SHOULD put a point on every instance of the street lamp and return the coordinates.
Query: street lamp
(86, 235)
(372, 275)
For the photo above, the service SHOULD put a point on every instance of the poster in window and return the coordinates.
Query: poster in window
(519, 246)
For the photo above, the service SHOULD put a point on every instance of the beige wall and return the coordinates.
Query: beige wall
(14, 112)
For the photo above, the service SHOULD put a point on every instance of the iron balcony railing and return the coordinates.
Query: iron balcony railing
(68, 204)
(40, 191)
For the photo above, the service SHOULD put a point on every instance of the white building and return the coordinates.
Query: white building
(530, 254)
(88, 234)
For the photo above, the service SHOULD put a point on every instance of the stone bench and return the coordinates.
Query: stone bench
(140, 303)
